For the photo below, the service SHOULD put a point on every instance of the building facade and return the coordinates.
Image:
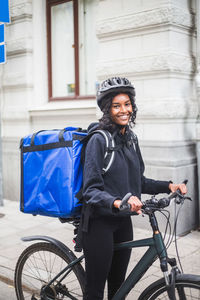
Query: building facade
(57, 53)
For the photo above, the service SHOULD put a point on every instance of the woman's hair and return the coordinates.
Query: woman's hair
(106, 122)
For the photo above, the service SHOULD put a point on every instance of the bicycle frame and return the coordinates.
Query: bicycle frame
(156, 248)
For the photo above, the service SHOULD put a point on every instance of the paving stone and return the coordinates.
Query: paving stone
(7, 291)
(15, 225)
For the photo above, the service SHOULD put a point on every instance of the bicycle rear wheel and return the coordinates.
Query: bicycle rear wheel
(187, 288)
(37, 265)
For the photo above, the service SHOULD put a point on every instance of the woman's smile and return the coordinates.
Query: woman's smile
(124, 117)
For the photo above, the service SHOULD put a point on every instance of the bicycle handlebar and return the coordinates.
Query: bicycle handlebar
(154, 204)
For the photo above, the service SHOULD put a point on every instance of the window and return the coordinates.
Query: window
(72, 48)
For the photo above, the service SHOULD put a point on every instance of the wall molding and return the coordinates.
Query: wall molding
(178, 153)
(20, 46)
(18, 80)
(21, 11)
(168, 108)
(146, 19)
(170, 62)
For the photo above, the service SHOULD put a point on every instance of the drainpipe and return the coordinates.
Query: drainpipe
(198, 96)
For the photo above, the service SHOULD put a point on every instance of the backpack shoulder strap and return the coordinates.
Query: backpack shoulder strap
(110, 148)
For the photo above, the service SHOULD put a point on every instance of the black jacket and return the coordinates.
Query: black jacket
(126, 174)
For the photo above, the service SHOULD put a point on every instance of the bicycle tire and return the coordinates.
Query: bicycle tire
(38, 264)
(158, 289)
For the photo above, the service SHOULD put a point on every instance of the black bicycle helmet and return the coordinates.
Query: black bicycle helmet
(114, 84)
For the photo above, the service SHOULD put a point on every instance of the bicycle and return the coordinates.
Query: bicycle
(49, 270)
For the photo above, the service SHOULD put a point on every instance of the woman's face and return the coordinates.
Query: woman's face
(121, 109)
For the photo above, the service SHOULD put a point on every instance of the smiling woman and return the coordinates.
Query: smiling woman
(102, 193)
(123, 92)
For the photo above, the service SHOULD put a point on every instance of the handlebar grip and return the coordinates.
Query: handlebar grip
(124, 205)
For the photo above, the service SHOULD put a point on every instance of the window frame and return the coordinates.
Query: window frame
(77, 96)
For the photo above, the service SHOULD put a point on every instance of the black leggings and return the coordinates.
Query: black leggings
(100, 261)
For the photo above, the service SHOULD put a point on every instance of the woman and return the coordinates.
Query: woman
(103, 192)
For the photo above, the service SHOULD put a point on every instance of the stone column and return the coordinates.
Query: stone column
(17, 87)
(152, 43)
(198, 95)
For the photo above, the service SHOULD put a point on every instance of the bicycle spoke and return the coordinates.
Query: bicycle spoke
(39, 264)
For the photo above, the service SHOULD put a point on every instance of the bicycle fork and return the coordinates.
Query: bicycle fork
(170, 280)
(164, 260)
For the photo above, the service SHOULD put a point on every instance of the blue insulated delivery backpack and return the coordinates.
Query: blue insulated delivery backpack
(51, 171)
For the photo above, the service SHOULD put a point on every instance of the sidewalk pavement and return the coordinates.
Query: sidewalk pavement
(15, 225)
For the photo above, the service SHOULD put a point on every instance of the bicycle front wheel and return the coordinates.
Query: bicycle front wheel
(40, 263)
(187, 287)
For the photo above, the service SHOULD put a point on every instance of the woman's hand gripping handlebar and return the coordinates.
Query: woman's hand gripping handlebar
(179, 187)
(129, 203)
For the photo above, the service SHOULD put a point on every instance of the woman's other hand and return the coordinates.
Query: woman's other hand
(135, 204)
(181, 186)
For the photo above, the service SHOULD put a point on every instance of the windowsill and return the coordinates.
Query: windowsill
(61, 107)
(51, 99)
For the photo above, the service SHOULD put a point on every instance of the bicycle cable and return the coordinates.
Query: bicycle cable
(168, 225)
(175, 234)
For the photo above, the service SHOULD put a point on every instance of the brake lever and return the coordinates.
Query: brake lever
(188, 198)
(181, 199)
